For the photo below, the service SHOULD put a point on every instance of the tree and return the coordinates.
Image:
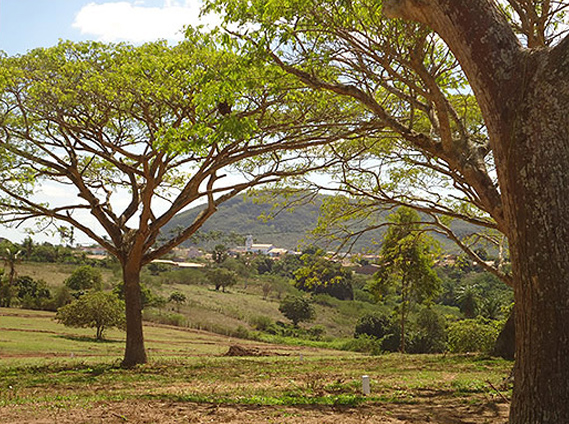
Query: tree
(219, 253)
(221, 277)
(321, 275)
(470, 95)
(11, 257)
(109, 123)
(84, 278)
(407, 263)
(468, 299)
(178, 298)
(99, 310)
(297, 309)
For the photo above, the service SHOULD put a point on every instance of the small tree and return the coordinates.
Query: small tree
(407, 263)
(297, 309)
(99, 310)
(178, 298)
(221, 278)
(84, 278)
(11, 256)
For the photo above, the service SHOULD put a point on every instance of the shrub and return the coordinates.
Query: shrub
(472, 335)
(316, 332)
(261, 322)
(364, 344)
(430, 335)
(166, 318)
(221, 277)
(297, 309)
(381, 327)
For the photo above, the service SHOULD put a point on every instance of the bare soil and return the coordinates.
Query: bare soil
(177, 412)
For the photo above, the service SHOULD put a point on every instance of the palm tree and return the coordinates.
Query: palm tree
(11, 257)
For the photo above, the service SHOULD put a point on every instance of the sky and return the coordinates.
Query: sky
(29, 24)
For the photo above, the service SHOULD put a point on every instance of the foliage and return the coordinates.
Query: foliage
(472, 335)
(149, 298)
(365, 343)
(430, 335)
(407, 262)
(99, 310)
(178, 298)
(221, 277)
(261, 322)
(320, 275)
(219, 253)
(85, 278)
(381, 327)
(297, 309)
(113, 122)
(33, 294)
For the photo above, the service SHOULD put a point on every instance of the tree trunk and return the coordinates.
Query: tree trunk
(524, 97)
(505, 346)
(535, 184)
(134, 353)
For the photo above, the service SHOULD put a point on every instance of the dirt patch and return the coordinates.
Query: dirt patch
(237, 350)
(142, 412)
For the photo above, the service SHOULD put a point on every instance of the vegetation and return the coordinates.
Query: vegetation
(96, 309)
(85, 278)
(320, 275)
(86, 373)
(407, 264)
(438, 87)
(147, 122)
(297, 309)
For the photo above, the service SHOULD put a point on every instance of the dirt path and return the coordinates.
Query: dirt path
(147, 412)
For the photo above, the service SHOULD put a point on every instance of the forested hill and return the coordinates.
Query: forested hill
(243, 216)
(288, 229)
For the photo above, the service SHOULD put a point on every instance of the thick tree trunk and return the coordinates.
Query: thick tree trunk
(524, 97)
(135, 352)
(534, 174)
(505, 346)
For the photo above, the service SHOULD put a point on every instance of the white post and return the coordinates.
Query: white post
(365, 385)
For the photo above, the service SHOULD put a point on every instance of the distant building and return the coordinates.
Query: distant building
(260, 248)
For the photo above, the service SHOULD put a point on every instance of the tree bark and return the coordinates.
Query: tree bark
(536, 191)
(524, 97)
(135, 352)
(505, 346)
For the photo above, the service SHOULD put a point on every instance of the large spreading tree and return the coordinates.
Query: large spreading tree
(465, 104)
(134, 135)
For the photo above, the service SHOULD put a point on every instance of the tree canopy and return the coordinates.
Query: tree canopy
(134, 135)
(465, 107)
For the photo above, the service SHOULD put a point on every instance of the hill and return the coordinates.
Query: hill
(243, 216)
(289, 229)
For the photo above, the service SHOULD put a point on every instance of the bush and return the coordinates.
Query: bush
(261, 322)
(430, 335)
(297, 309)
(472, 335)
(381, 327)
(99, 310)
(166, 318)
(364, 344)
(316, 332)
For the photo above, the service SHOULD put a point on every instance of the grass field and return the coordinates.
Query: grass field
(53, 374)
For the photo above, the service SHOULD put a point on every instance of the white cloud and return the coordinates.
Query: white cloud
(136, 22)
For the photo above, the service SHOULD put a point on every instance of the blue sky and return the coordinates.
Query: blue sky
(27, 24)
